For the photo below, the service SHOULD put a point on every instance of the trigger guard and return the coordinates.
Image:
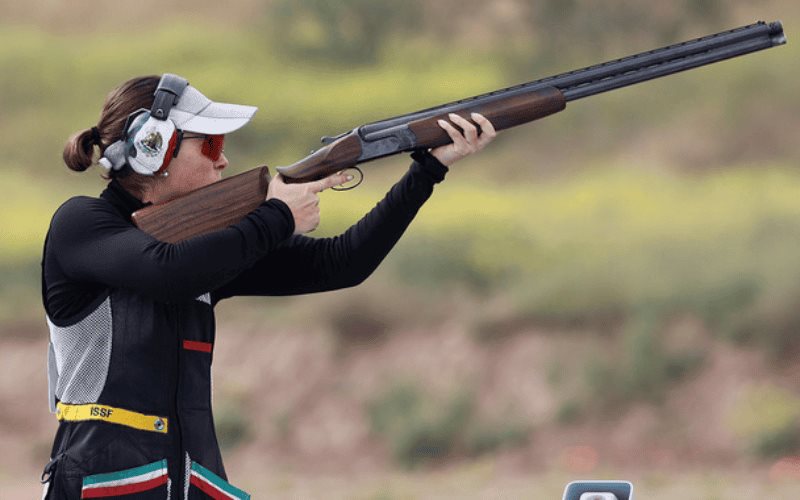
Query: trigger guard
(360, 180)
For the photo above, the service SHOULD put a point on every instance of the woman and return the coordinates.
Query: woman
(131, 318)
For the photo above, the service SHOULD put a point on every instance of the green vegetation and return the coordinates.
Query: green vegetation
(230, 422)
(609, 247)
(351, 32)
(569, 412)
(420, 428)
(767, 418)
(642, 368)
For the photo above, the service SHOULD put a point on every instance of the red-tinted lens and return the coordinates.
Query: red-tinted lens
(213, 146)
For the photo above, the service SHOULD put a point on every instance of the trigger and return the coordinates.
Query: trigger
(358, 182)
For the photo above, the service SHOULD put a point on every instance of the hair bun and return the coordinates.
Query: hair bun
(78, 151)
(96, 139)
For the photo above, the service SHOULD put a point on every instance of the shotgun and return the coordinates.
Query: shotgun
(225, 202)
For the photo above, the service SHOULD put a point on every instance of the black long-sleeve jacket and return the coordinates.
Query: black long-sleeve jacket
(132, 329)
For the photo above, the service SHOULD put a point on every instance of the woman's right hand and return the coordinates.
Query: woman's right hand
(303, 199)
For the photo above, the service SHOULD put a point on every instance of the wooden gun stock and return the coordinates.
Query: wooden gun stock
(207, 209)
(339, 155)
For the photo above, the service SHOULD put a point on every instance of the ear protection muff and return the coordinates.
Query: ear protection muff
(151, 138)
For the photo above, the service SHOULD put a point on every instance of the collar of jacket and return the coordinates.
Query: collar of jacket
(121, 199)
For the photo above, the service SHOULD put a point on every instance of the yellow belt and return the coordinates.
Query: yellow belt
(73, 413)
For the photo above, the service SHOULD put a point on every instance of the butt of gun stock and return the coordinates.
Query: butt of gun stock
(207, 209)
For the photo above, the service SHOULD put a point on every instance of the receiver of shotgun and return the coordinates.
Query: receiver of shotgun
(221, 204)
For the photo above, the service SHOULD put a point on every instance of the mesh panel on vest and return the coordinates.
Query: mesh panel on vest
(82, 355)
(52, 376)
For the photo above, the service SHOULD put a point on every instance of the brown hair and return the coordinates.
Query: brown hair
(130, 96)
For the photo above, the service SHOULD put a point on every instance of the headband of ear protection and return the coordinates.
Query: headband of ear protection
(151, 138)
(167, 94)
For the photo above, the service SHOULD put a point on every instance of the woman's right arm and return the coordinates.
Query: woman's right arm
(94, 243)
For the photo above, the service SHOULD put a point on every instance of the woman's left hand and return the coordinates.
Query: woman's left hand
(466, 143)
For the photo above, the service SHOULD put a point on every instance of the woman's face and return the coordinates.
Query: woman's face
(190, 170)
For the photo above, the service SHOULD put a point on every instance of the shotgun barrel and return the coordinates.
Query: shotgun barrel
(526, 102)
(617, 73)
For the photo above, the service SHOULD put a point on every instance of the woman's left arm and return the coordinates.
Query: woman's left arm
(305, 265)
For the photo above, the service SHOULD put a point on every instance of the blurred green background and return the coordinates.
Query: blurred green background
(612, 291)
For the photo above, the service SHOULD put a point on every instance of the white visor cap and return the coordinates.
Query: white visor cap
(195, 112)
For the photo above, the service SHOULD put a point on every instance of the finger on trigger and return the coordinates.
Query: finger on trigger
(338, 179)
(321, 185)
(344, 177)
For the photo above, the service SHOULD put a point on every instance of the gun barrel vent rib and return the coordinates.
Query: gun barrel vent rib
(616, 73)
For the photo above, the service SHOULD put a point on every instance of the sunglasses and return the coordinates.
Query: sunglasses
(213, 145)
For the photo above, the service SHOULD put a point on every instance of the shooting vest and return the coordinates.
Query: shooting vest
(130, 382)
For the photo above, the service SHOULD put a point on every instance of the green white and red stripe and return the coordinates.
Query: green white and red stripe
(144, 478)
(213, 485)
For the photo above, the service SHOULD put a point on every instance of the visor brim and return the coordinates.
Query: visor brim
(216, 118)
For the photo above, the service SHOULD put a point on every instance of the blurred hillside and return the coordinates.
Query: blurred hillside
(611, 291)
(315, 78)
